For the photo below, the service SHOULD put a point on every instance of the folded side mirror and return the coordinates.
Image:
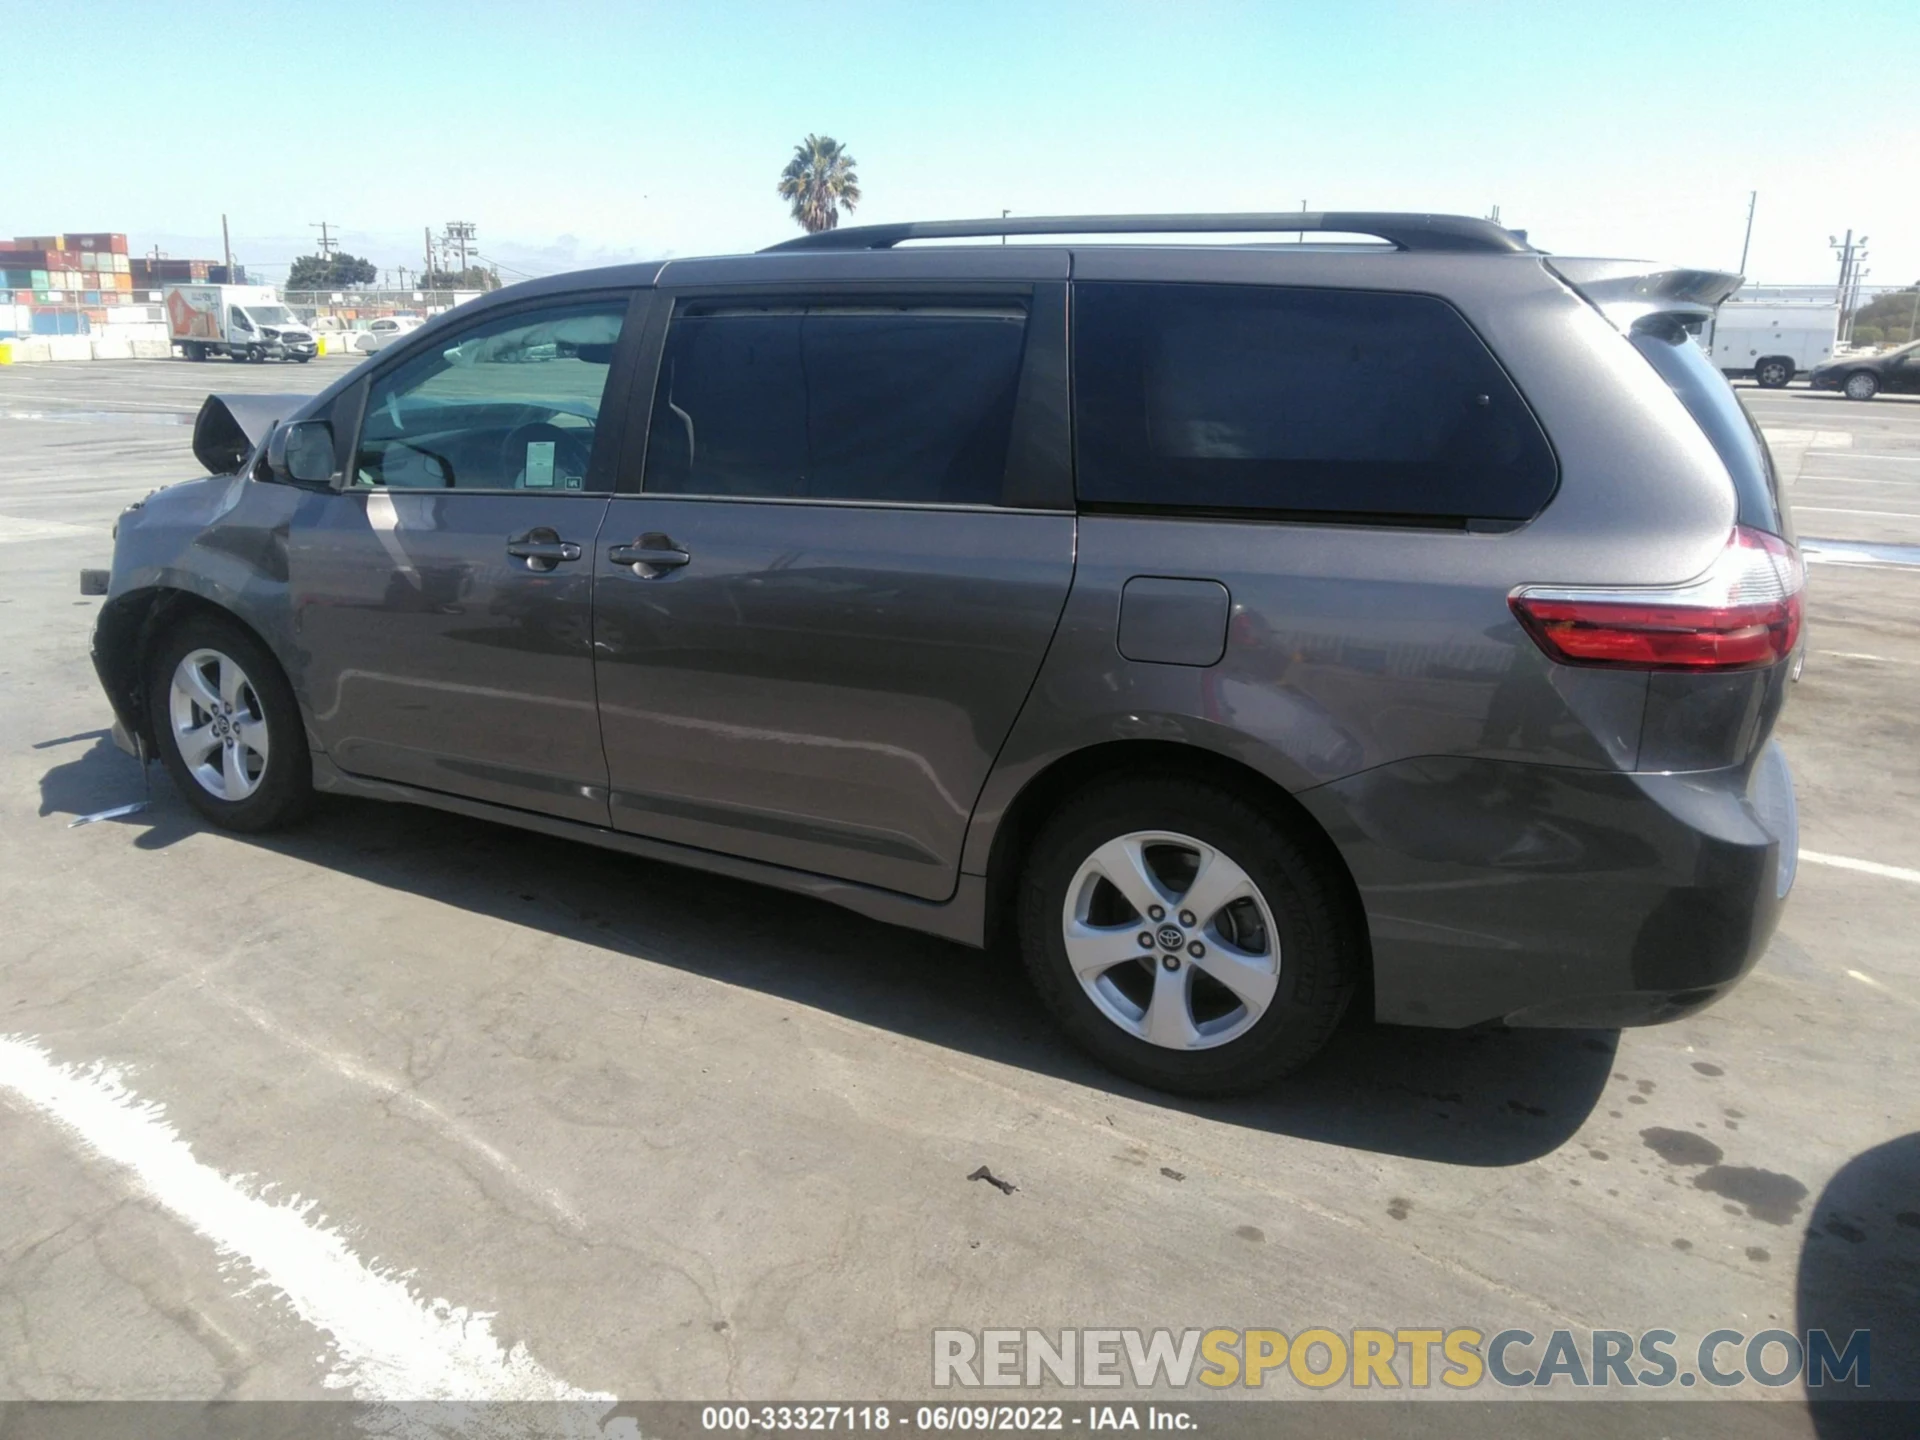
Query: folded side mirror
(302, 453)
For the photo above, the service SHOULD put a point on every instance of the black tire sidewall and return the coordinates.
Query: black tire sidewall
(287, 789)
(1318, 946)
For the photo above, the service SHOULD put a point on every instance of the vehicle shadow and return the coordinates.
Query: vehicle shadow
(1479, 1098)
(1860, 1270)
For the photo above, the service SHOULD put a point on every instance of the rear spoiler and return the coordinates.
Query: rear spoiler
(229, 427)
(1629, 291)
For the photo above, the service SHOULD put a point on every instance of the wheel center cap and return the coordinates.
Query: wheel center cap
(1171, 937)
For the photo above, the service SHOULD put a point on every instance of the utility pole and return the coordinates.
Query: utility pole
(1753, 199)
(426, 278)
(1913, 315)
(1003, 235)
(326, 240)
(459, 234)
(226, 247)
(1851, 252)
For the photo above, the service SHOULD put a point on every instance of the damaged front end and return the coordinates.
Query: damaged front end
(214, 541)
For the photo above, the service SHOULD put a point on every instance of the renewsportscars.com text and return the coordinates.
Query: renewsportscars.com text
(1402, 1359)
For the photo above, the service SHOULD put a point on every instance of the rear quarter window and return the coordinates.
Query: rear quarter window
(1710, 400)
(1285, 402)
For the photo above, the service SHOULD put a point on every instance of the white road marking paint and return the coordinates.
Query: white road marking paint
(1812, 439)
(1865, 867)
(389, 1344)
(1874, 984)
(1862, 655)
(1837, 510)
(13, 529)
(1879, 455)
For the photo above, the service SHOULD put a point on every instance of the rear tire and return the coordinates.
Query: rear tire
(1219, 1002)
(1773, 373)
(227, 726)
(1862, 385)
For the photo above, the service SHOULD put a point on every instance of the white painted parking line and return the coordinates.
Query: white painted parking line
(1868, 455)
(13, 530)
(1862, 655)
(1814, 439)
(389, 1344)
(1837, 510)
(1865, 867)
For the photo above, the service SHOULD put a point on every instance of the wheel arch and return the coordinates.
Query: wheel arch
(1070, 773)
(129, 626)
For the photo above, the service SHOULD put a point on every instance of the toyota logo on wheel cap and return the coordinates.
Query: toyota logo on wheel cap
(1170, 937)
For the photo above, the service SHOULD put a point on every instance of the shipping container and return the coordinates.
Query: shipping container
(120, 262)
(55, 321)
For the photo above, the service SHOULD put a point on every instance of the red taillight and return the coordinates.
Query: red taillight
(1742, 614)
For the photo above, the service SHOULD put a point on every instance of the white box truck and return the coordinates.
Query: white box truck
(1771, 341)
(244, 322)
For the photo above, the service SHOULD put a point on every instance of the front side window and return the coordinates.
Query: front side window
(891, 404)
(1256, 400)
(237, 319)
(509, 404)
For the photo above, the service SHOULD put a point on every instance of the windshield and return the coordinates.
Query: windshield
(270, 315)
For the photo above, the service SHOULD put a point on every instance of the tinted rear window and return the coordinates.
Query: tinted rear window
(1313, 403)
(837, 403)
(1719, 413)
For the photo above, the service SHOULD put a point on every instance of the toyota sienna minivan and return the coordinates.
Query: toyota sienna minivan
(1236, 629)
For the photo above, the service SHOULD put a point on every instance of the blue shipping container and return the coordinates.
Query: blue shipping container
(60, 322)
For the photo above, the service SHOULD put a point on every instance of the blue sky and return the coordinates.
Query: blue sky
(572, 133)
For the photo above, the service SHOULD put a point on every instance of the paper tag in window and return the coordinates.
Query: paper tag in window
(539, 465)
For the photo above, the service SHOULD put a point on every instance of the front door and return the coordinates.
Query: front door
(444, 597)
(816, 623)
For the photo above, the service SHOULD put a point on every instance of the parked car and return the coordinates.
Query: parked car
(387, 330)
(1862, 376)
(1236, 630)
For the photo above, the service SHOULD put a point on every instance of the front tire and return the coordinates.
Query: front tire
(1773, 373)
(1862, 385)
(1252, 948)
(227, 725)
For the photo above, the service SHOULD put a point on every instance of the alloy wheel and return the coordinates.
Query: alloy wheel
(218, 724)
(1862, 386)
(1172, 940)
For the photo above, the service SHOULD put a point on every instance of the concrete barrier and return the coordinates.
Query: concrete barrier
(69, 347)
(111, 349)
(152, 349)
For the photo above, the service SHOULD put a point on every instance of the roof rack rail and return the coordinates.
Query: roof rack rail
(1449, 233)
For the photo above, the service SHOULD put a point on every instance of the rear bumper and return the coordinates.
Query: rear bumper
(1550, 896)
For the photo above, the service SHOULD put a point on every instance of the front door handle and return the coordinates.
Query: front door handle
(542, 549)
(651, 555)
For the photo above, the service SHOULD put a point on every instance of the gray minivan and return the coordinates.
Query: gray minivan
(1235, 628)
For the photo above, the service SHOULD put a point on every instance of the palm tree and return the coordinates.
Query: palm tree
(819, 181)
